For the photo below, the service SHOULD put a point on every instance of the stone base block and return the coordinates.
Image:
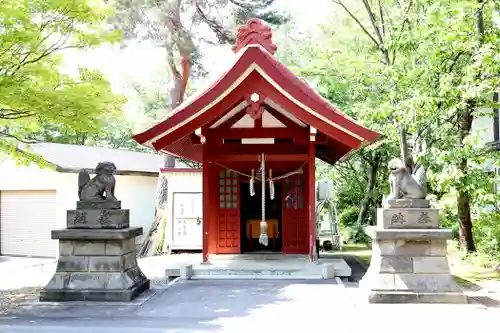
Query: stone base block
(408, 203)
(409, 247)
(126, 279)
(411, 288)
(408, 218)
(395, 297)
(98, 218)
(96, 265)
(96, 234)
(411, 266)
(95, 295)
(99, 204)
(96, 248)
(414, 282)
(412, 234)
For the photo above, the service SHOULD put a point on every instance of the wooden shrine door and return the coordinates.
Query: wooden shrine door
(295, 216)
(228, 212)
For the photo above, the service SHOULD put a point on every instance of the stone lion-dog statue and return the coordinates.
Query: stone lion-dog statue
(103, 183)
(406, 185)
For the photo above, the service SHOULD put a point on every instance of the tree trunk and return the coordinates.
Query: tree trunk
(466, 236)
(406, 157)
(463, 196)
(372, 182)
(154, 241)
(465, 118)
(154, 238)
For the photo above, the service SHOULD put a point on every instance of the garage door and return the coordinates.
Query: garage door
(26, 220)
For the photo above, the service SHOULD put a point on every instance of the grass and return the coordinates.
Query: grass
(468, 270)
(471, 269)
(361, 251)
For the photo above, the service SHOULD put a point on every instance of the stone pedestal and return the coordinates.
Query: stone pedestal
(409, 263)
(97, 256)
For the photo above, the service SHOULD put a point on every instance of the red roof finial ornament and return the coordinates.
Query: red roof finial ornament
(255, 31)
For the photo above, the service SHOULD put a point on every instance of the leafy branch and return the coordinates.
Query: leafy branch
(10, 114)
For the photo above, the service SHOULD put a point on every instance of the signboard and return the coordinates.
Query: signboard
(187, 221)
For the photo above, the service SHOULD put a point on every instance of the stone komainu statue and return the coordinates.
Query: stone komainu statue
(95, 188)
(405, 185)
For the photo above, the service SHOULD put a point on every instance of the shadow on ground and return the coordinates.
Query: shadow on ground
(187, 306)
(358, 270)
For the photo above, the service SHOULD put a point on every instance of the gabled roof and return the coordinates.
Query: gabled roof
(255, 62)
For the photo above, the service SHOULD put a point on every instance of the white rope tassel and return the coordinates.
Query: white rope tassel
(271, 184)
(263, 239)
(252, 184)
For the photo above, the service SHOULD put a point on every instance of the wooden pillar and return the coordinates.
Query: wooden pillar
(206, 203)
(311, 180)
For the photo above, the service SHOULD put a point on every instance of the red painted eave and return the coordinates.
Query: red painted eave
(280, 74)
(301, 90)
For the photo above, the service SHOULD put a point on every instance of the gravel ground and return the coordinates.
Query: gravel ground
(11, 299)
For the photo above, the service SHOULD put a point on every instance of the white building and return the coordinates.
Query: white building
(184, 209)
(486, 130)
(34, 201)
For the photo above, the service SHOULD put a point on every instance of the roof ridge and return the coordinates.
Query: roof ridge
(255, 31)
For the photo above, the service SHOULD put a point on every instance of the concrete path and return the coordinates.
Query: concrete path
(22, 278)
(248, 306)
(20, 272)
(230, 306)
(17, 273)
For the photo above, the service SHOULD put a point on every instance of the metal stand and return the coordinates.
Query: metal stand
(329, 206)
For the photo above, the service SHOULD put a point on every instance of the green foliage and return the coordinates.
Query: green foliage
(348, 217)
(448, 219)
(352, 232)
(242, 11)
(487, 234)
(428, 67)
(355, 234)
(35, 95)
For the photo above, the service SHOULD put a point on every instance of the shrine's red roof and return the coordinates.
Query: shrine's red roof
(258, 68)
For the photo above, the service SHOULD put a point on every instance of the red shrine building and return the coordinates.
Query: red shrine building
(258, 119)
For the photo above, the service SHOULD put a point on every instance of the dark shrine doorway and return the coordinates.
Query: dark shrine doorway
(251, 216)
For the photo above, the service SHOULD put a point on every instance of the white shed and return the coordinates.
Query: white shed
(184, 209)
(34, 201)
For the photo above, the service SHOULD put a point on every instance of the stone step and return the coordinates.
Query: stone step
(251, 274)
(223, 271)
(219, 272)
(256, 277)
(211, 271)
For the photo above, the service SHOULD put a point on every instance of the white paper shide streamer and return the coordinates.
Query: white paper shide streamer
(263, 239)
(252, 184)
(271, 185)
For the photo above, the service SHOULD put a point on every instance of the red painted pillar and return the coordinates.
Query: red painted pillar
(311, 179)
(206, 204)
